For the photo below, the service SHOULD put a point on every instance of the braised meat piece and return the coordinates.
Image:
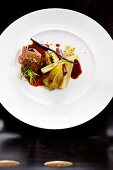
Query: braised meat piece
(32, 58)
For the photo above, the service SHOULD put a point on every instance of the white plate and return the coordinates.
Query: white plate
(85, 97)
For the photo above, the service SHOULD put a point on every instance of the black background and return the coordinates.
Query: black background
(99, 10)
(93, 137)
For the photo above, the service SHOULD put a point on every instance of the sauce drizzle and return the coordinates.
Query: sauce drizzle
(76, 71)
(39, 80)
(57, 45)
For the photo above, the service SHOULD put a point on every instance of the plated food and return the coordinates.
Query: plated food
(41, 65)
(84, 97)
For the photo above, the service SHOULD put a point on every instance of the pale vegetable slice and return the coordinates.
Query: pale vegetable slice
(66, 77)
(49, 67)
(71, 58)
(54, 56)
(69, 67)
(54, 78)
(69, 50)
(47, 58)
(53, 65)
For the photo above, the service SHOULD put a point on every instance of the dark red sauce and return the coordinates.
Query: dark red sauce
(38, 48)
(39, 80)
(47, 45)
(76, 71)
(57, 50)
(57, 45)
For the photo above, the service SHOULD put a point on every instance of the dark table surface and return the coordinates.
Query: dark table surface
(89, 146)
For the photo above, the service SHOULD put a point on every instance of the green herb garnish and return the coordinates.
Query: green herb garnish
(28, 73)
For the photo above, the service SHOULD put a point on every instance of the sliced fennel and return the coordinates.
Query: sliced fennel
(50, 56)
(53, 65)
(47, 58)
(54, 78)
(66, 77)
(49, 67)
(54, 56)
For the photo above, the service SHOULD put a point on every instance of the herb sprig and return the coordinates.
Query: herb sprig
(28, 73)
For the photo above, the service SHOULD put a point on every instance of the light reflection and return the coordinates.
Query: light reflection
(110, 131)
(1, 124)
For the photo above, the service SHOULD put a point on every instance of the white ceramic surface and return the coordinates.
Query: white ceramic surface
(85, 97)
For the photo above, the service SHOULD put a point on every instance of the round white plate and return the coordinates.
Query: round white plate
(85, 97)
